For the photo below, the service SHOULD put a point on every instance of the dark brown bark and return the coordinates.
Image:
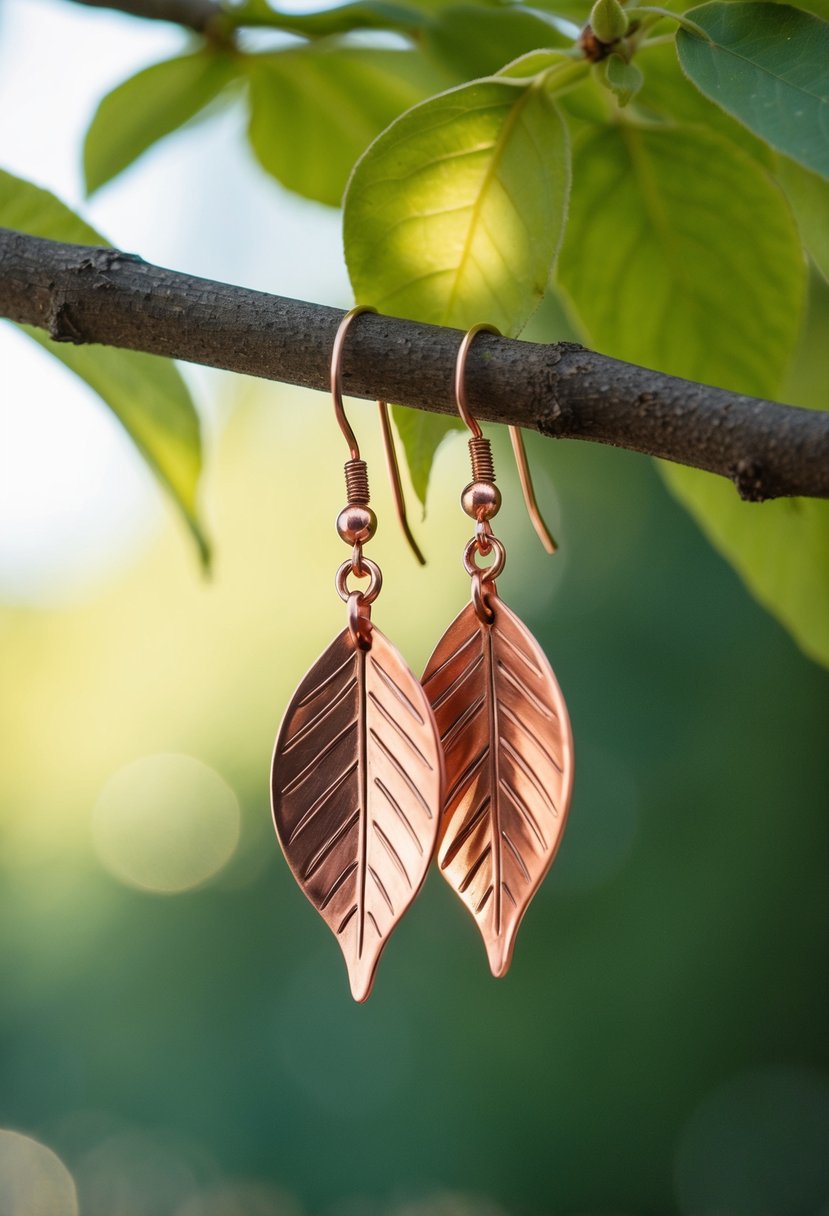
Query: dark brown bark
(198, 15)
(88, 295)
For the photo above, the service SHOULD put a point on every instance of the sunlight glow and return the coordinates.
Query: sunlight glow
(165, 823)
(33, 1180)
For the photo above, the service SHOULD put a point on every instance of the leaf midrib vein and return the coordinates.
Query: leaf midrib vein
(362, 859)
(654, 206)
(495, 772)
(498, 149)
(759, 67)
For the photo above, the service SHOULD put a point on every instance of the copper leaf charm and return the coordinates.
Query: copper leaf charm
(357, 784)
(509, 769)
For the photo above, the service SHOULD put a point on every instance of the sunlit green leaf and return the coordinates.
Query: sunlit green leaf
(809, 197)
(314, 109)
(476, 41)
(146, 393)
(768, 66)
(682, 255)
(149, 106)
(466, 196)
(531, 63)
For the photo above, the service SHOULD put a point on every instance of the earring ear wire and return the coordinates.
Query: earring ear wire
(528, 490)
(396, 484)
(385, 426)
(516, 438)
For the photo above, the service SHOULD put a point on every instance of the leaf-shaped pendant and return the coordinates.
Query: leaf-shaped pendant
(509, 768)
(357, 786)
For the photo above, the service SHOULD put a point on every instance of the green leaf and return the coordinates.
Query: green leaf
(682, 255)
(146, 393)
(149, 106)
(341, 19)
(667, 93)
(532, 63)
(476, 41)
(623, 79)
(779, 548)
(820, 8)
(809, 197)
(575, 11)
(150, 399)
(315, 108)
(466, 196)
(768, 66)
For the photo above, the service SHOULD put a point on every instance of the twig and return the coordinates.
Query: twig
(198, 15)
(88, 295)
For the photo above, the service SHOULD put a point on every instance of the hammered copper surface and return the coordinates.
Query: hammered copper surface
(509, 768)
(357, 784)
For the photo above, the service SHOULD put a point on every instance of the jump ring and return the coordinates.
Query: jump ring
(482, 592)
(358, 564)
(488, 573)
(359, 619)
(483, 536)
(371, 571)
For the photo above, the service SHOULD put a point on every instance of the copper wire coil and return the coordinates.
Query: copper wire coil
(356, 482)
(480, 452)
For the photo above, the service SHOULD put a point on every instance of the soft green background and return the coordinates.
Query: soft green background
(659, 1045)
(659, 1042)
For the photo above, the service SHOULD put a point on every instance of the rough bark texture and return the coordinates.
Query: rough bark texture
(88, 295)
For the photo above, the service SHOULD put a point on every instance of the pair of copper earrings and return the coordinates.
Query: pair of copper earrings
(374, 771)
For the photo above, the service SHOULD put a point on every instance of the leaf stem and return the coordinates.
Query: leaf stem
(659, 40)
(563, 77)
(684, 22)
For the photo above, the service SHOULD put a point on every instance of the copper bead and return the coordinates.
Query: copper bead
(481, 500)
(356, 524)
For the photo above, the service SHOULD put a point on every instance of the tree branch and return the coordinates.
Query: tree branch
(81, 294)
(198, 15)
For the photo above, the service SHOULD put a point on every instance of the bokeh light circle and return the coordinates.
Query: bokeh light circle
(756, 1146)
(33, 1180)
(165, 823)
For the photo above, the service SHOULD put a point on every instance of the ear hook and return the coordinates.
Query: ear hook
(351, 439)
(525, 476)
(337, 378)
(396, 485)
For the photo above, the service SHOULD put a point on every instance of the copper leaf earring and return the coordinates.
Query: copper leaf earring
(357, 776)
(504, 728)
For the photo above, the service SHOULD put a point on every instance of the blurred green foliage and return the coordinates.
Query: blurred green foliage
(658, 1043)
(147, 394)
